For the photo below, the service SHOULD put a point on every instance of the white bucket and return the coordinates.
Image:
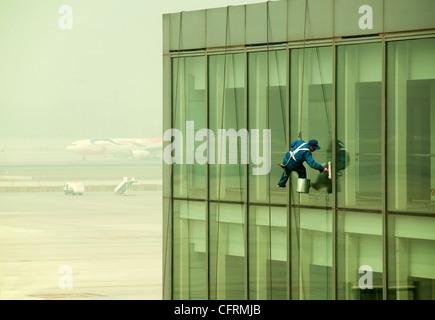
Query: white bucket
(303, 185)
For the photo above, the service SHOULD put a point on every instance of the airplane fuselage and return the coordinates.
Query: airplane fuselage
(137, 148)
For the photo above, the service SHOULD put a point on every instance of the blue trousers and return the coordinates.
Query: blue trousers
(301, 171)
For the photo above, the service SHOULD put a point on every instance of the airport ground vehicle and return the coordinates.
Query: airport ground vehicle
(74, 188)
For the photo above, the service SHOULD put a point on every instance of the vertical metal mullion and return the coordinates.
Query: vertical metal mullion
(384, 173)
(207, 177)
(170, 220)
(167, 219)
(246, 197)
(287, 102)
(334, 170)
(207, 196)
(287, 128)
(334, 159)
(384, 162)
(169, 227)
(246, 181)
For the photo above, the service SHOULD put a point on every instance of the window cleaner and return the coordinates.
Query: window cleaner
(293, 161)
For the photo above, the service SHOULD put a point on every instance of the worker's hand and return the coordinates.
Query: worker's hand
(325, 170)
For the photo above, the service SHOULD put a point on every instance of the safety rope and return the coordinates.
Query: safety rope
(281, 100)
(303, 72)
(324, 96)
(268, 127)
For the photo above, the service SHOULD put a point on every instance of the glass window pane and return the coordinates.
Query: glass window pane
(227, 112)
(359, 256)
(311, 254)
(227, 251)
(268, 276)
(411, 258)
(359, 116)
(189, 250)
(411, 125)
(268, 110)
(311, 113)
(189, 116)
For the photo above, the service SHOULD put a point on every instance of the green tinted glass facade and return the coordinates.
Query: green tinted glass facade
(357, 76)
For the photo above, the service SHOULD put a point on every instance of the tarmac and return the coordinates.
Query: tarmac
(99, 246)
(31, 185)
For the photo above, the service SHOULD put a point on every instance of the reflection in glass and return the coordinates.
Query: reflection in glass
(268, 262)
(359, 120)
(267, 110)
(189, 250)
(311, 110)
(411, 258)
(311, 254)
(227, 251)
(189, 116)
(227, 111)
(411, 125)
(359, 256)
(292, 257)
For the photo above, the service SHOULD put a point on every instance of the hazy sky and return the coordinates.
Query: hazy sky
(102, 78)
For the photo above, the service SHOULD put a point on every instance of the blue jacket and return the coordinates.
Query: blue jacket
(300, 156)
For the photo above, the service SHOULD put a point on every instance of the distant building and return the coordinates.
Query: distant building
(358, 76)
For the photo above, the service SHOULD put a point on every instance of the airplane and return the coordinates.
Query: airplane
(138, 148)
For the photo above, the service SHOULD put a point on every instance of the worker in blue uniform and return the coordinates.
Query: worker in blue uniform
(299, 153)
